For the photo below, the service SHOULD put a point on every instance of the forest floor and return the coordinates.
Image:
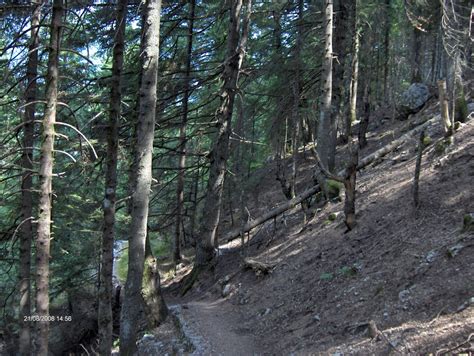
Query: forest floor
(406, 270)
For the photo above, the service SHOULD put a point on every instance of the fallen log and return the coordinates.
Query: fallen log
(233, 234)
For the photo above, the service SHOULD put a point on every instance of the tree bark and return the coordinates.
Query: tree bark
(386, 47)
(350, 67)
(296, 91)
(26, 233)
(218, 157)
(355, 71)
(105, 320)
(416, 181)
(154, 303)
(444, 106)
(416, 76)
(364, 123)
(324, 124)
(46, 176)
(182, 140)
(141, 195)
(340, 41)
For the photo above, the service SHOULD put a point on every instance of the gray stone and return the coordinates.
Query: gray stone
(413, 99)
(404, 295)
(226, 290)
(431, 256)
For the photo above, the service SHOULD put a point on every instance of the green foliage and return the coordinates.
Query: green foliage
(334, 188)
(348, 271)
(427, 141)
(326, 276)
(468, 222)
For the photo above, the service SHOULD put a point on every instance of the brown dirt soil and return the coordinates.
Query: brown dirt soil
(410, 270)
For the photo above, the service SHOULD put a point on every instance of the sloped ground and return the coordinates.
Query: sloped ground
(409, 270)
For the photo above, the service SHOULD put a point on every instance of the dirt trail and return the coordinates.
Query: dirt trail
(213, 328)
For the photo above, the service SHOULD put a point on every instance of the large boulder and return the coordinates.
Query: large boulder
(413, 99)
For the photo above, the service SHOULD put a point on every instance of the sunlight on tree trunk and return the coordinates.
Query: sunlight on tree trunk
(141, 196)
(46, 176)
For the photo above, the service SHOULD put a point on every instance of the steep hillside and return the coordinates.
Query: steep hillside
(407, 269)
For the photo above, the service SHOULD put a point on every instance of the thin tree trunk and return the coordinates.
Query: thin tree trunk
(386, 47)
(26, 233)
(364, 124)
(416, 76)
(355, 73)
(324, 124)
(141, 195)
(182, 140)
(105, 320)
(296, 115)
(351, 70)
(416, 181)
(46, 177)
(340, 41)
(444, 106)
(220, 152)
(195, 192)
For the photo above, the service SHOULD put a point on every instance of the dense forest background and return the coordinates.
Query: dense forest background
(131, 128)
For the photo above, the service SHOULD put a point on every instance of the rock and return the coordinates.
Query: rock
(227, 290)
(454, 250)
(404, 296)
(470, 110)
(413, 99)
(316, 318)
(431, 256)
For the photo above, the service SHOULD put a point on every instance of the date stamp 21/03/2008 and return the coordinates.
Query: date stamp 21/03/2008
(49, 318)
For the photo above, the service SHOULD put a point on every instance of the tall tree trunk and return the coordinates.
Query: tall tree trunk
(141, 195)
(341, 40)
(416, 72)
(355, 71)
(220, 152)
(324, 124)
(105, 320)
(26, 233)
(364, 123)
(182, 139)
(350, 65)
(46, 176)
(386, 48)
(296, 115)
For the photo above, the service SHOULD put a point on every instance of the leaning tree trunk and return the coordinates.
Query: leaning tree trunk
(220, 152)
(141, 195)
(105, 320)
(182, 140)
(46, 175)
(26, 186)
